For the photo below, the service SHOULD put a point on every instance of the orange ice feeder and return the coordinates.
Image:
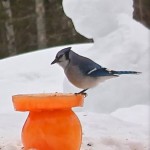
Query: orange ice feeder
(51, 123)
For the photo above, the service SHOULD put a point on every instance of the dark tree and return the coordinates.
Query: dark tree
(9, 28)
(142, 11)
(34, 24)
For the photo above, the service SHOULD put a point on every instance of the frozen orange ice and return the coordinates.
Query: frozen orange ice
(51, 123)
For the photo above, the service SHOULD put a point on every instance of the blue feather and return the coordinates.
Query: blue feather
(101, 72)
(106, 72)
(125, 72)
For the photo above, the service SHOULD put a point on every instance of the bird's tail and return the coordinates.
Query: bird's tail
(125, 72)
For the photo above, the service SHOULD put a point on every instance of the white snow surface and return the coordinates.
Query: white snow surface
(120, 43)
(116, 114)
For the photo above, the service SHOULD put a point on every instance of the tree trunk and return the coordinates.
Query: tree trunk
(142, 11)
(40, 21)
(10, 34)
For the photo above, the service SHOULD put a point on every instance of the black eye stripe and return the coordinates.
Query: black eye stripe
(59, 56)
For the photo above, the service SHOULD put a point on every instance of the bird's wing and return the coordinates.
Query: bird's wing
(100, 72)
(86, 65)
(89, 67)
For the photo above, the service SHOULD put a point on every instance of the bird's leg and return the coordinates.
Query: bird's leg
(83, 92)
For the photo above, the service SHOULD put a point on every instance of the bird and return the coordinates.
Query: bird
(83, 72)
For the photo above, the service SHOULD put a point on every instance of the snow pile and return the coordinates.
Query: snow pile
(96, 18)
(141, 117)
(120, 43)
(101, 131)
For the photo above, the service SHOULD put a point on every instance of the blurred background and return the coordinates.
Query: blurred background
(29, 25)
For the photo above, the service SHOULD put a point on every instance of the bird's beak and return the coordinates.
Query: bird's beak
(55, 61)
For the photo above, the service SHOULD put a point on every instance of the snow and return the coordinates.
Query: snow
(140, 118)
(99, 15)
(125, 128)
(120, 43)
(106, 132)
(30, 73)
(115, 115)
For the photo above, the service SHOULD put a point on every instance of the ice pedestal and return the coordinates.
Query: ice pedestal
(51, 124)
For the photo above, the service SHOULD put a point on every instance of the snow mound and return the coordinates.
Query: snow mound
(120, 43)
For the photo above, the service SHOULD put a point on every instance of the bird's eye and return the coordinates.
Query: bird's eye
(60, 56)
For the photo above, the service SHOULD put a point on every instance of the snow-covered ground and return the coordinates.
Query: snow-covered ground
(100, 131)
(123, 129)
(116, 114)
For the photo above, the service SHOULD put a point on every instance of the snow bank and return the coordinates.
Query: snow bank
(101, 131)
(97, 17)
(139, 114)
(30, 73)
(120, 43)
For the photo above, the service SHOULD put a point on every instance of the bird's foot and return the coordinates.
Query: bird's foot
(85, 94)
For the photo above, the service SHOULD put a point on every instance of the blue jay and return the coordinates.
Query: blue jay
(83, 72)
